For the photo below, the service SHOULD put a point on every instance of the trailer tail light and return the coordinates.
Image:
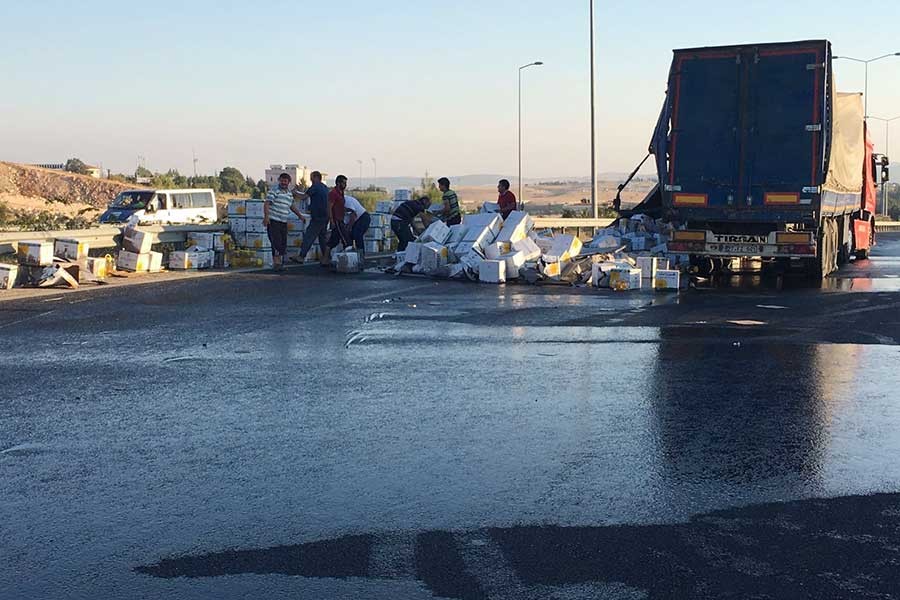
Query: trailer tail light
(797, 249)
(779, 198)
(793, 238)
(690, 199)
(688, 241)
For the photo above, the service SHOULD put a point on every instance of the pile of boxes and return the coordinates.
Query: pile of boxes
(136, 255)
(488, 249)
(251, 240)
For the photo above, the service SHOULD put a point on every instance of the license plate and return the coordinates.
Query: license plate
(737, 249)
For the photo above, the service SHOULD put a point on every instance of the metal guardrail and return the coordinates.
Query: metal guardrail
(886, 227)
(103, 236)
(567, 224)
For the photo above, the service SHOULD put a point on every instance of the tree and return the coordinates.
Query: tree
(75, 165)
(232, 181)
(143, 172)
(428, 188)
(260, 189)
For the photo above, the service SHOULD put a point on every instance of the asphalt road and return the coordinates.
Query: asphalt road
(310, 435)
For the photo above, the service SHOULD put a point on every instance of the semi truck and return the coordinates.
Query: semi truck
(758, 155)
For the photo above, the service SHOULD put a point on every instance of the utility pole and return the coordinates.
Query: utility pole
(360, 183)
(375, 166)
(523, 67)
(194, 153)
(594, 206)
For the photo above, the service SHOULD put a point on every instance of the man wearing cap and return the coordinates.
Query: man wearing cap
(451, 214)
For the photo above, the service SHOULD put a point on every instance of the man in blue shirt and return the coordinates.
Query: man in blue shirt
(317, 228)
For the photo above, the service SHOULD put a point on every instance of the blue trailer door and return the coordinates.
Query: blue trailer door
(784, 137)
(704, 153)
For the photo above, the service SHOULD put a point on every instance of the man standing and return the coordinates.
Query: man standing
(402, 220)
(336, 207)
(317, 229)
(451, 215)
(507, 200)
(279, 202)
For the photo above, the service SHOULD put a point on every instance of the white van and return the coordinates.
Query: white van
(162, 206)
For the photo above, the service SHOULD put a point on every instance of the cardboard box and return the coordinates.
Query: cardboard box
(191, 259)
(433, 256)
(490, 207)
(202, 240)
(551, 268)
(472, 261)
(457, 233)
(564, 247)
(667, 280)
(258, 241)
(492, 271)
(237, 224)
(649, 265)
(621, 279)
(384, 207)
(514, 262)
(347, 262)
(221, 260)
(413, 253)
(71, 249)
(463, 248)
(8, 275)
(436, 232)
(516, 227)
(237, 208)
(264, 259)
(295, 225)
(98, 267)
(35, 254)
(294, 240)
(493, 251)
(136, 241)
(255, 225)
(132, 261)
(373, 246)
(528, 248)
(254, 209)
(482, 229)
(638, 244)
(378, 221)
(544, 243)
(154, 262)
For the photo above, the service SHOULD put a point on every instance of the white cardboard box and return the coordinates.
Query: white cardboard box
(493, 251)
(436, 232)
(528, 248)
(36, 254)
(264, 258)
(294, 240)
(492, 271)
(472, 261)
(433, 256)
(347, 262)
(237, 208)
(413, 253)
(254, 209)
(372, 246)
(667, 280)
(255, 225)
(132, 261)
(544, 243)
(154, 262)
(237, 224)
(71, 249)
(8, 275)
(97, 266)
(514, 262)
(457, 233)
(258, 241)
(649, 265)
(564, 247)
(551, 268)
(624, 279)
(203, 240)
(136, 241)
(384, 207)
(191, 259)
(481, 226)
(516, 227)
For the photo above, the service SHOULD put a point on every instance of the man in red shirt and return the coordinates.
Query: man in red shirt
(507, 199)
(336, 209)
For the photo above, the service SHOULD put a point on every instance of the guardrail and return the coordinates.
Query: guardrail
(883, 227)
(103, 236)
(577, 224)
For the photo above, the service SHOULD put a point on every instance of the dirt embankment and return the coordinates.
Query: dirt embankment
(27, 188)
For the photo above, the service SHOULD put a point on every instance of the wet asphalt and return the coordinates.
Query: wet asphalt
(311, 435)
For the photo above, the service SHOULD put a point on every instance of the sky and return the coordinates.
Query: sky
(419, 85)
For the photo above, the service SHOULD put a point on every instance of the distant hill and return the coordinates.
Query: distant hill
(393, 183)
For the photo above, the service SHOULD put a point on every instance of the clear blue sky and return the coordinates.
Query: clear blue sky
(417, 84)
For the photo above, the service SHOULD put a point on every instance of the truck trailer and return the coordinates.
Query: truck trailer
(759, 156)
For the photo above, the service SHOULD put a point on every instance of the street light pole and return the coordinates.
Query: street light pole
(866, 85)
(594, 207)
(375, 167)
(523, 67)
(360, 174)
(887, 152)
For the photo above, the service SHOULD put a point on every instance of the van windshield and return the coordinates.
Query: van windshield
(132, 200)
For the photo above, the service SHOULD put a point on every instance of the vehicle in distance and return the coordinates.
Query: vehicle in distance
(162, 206)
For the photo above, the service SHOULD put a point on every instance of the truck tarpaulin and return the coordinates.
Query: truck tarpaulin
(848, 148)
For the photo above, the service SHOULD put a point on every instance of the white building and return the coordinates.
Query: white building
(299, 175)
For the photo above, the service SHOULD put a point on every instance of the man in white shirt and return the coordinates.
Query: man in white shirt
(357, 220)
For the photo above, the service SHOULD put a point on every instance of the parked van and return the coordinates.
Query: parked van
(162, 206)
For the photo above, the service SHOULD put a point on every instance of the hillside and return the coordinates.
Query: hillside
(27, 188)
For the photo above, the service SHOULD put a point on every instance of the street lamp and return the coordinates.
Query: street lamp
(866, 88)
(887, 152)
(522, 68)
(360, 174)
(375, 167)
(594, 210)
